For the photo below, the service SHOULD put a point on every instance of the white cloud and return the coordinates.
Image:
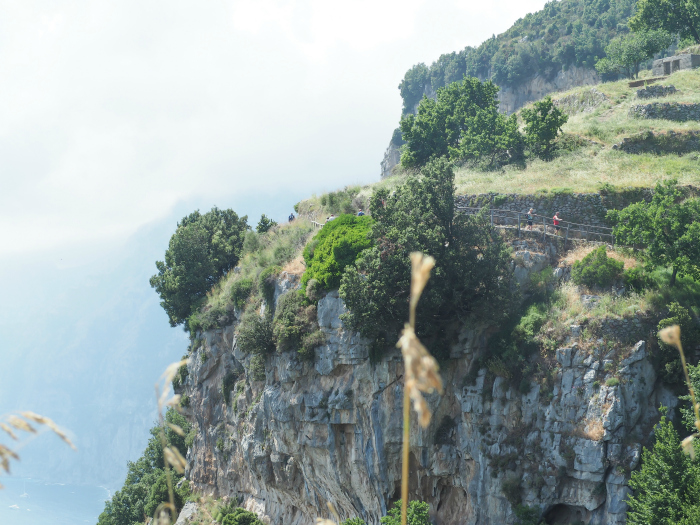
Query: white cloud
(113, 112)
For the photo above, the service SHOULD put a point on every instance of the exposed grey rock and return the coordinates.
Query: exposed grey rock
(187, 512)
(330, 430)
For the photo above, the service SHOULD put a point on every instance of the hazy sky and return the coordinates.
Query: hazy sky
(114, 112)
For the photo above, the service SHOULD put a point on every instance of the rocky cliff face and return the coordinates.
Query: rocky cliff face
(330, 430)
(512, 99)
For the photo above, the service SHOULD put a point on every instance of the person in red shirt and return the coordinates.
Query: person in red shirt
(555, 221)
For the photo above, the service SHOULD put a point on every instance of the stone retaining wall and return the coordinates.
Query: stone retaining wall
(666, 110)
(656, 91)
(660, 143)
(582, 208)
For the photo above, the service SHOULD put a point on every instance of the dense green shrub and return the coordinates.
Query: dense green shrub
(295, 327)
(417, 514)
(227, 385)
(667, 360)
(142, 491)
(334, 247)
(202, 250)
(341, 201)
(255, 333)
(470, 282)
(264, 224)
(667, 485)
(266, 282)
(159, 493)
(526, 515)
(637, 279)
(353, 521)
(181, 376)
(240, 292)
(542, 124)
(596, 269)
(668, 228)
(257, 367)
(241, 517)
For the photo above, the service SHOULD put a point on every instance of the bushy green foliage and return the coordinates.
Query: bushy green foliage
(471, 278)
(636, 279)
(227, 385)
(667, 486)
(416, 514)
(334, 247)
(341, 201)
(542, 124)
(667, 360)
(668, 227)
(266, 282)
(142, 491)
(255, 333)
(464, 123)
(241, 517)
(202, 250)
(526, 515)
(563, 34)
(295, 327)
(597, 269)
(264, 224)
(354, 521)
(625, 53)
(677, 17)
(159, 493)
(181, 376)
(257, 367)
(240, 292)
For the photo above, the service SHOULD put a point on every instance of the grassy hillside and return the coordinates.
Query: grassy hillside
(607, 123)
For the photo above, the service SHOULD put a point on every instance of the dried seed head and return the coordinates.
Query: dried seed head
(671, 336)
(173, 457)
(421, 372)
(688, 446)
(177, 429)
(20, 424)
(8, 431)
(420, 274)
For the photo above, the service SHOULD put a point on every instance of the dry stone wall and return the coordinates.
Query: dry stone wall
(660, 143)
(666, 110)
(655, 91)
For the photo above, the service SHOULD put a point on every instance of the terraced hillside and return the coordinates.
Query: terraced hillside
(604, 143)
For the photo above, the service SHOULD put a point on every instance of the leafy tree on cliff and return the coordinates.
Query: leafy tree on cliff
(416, 514)
(681, 17)
(463, 123)
(667, 487)
(471, 278)
(667, 227)
(543, 122)
(264, 224)
(202, 250)
(625, 53)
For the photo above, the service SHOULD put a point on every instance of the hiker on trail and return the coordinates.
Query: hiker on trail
(330, 218)
(291, 217)
(530, 218)
(360, 213)
(555, 221)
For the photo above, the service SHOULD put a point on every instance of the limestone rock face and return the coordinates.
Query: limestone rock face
(329, 430)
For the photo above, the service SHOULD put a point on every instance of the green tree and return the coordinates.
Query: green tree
(241, 517)
(542, 124)
(625, 53)
(354, 521)
(597, 269)
(416, 514)
(667, 227)
(667, 360)
(134, 502)
(471, 278)
(334, 247)
(202, 250)
(264, 224)
(681, 17)
(412, 86)
(667, 486)
(463, 123)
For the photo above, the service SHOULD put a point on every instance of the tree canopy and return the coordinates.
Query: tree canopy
(202, 250)
(667, 486)
(471, 278)
(463, 123)
(625, 53)
(543, 121)
(681, 17)
(667, 227)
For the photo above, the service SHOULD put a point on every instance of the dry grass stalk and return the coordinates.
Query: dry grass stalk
(421, 369)
(672, 336)
(166, 511)
(594, 429)
(13, 423)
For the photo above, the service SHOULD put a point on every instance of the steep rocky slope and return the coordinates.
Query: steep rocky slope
(330, 430)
